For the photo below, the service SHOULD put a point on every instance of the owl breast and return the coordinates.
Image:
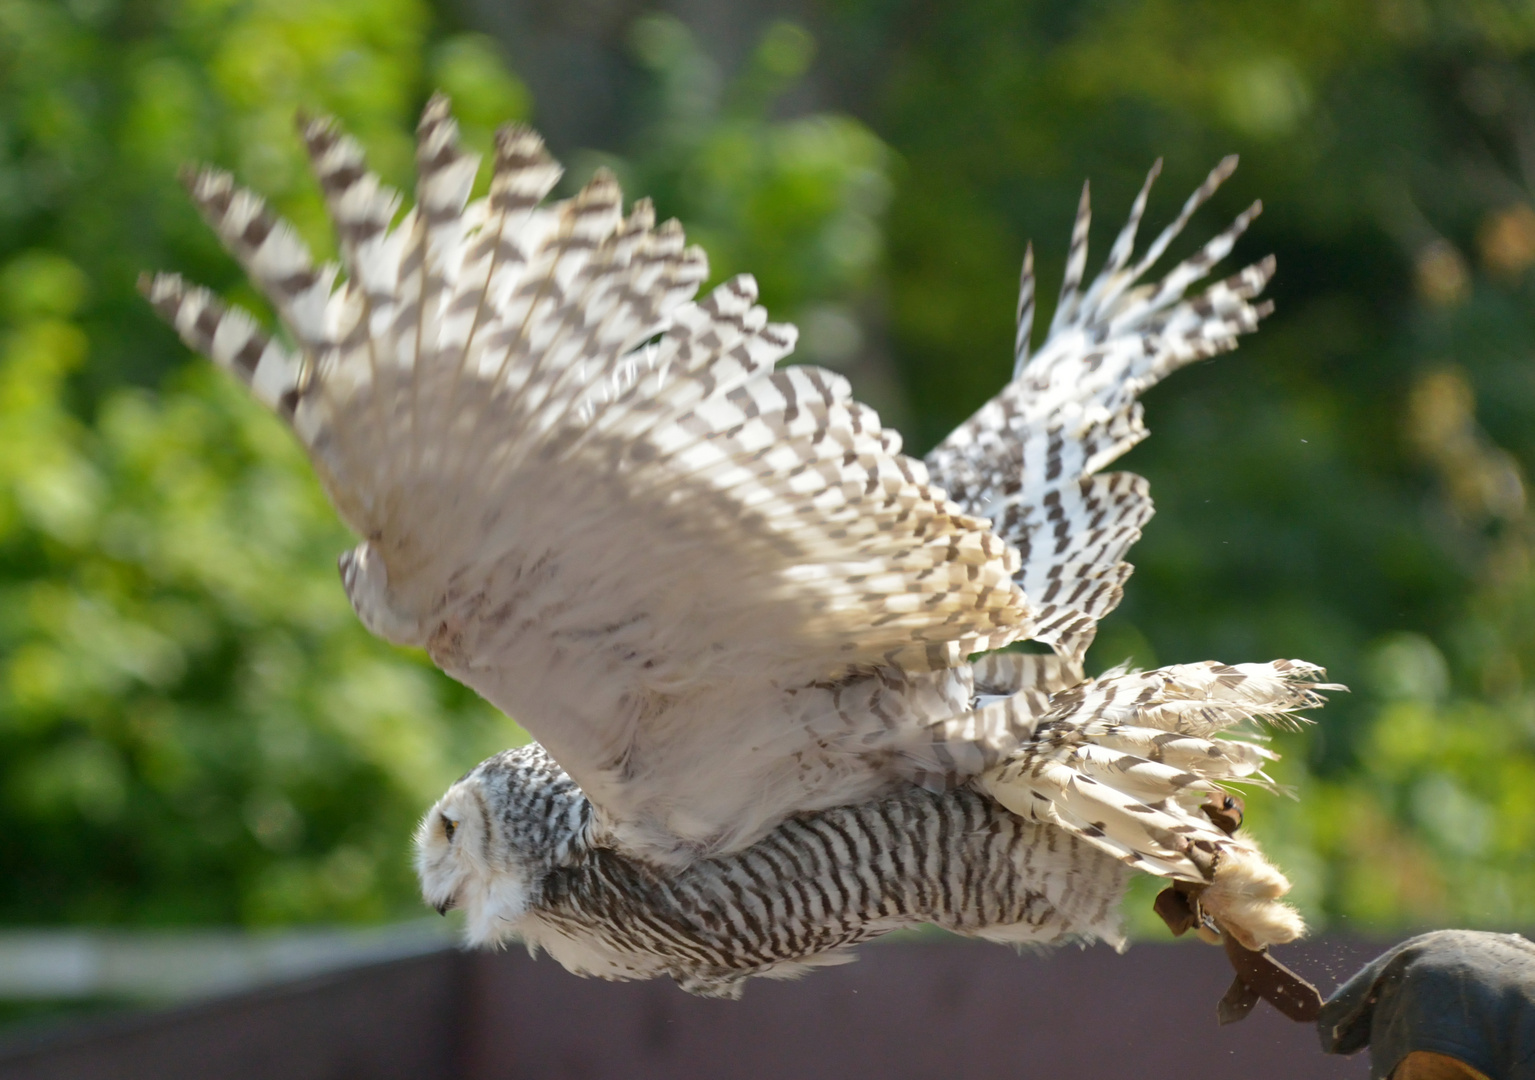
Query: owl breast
(820, 883)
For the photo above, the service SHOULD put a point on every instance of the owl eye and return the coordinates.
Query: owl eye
(449, 826)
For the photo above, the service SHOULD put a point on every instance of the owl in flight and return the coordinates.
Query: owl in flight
(761, 650)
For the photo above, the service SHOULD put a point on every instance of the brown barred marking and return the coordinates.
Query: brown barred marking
(1076, 263)
(230, 336)
(271, 251)
(1025, 318)
(1138, 746)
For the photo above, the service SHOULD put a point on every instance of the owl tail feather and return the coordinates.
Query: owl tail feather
(1128, 760)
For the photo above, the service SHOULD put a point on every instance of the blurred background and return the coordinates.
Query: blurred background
(195, 731)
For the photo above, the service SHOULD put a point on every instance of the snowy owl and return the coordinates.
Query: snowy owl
(762, 650)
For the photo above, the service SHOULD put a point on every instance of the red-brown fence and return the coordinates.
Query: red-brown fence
(903, 1010)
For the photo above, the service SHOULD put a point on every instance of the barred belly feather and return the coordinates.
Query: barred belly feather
(817, 884)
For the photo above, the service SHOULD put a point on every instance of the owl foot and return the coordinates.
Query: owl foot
(1240, 909)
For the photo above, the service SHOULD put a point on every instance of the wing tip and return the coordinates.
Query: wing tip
(437, 110)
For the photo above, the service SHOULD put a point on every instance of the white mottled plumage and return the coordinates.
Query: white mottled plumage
(739, 619)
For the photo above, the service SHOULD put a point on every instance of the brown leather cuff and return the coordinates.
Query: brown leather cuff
(1427, 1065)
(1261, 976)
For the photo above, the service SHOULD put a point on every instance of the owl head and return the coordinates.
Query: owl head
(489, 844)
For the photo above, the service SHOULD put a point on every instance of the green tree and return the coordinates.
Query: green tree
(193, 726)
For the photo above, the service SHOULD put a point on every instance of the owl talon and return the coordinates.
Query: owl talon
(1225, 812)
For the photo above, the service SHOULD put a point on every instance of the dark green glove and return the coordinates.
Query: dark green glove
(1466, 994)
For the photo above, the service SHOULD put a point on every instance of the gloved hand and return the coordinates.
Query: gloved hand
(1448, 1005)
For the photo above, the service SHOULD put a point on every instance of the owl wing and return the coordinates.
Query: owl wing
(1028, 461)
(588, 496)
(1125, 760)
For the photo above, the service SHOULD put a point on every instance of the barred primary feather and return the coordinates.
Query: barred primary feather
(1026, 460)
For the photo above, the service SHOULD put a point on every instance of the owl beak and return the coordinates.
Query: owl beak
(444, 907)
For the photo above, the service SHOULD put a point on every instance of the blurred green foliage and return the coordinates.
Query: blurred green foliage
(798, 203)
(194, 729)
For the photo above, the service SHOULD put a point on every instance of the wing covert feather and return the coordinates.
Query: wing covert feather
(590, 496)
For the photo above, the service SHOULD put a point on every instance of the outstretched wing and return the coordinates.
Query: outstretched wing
(1029, 459)
(591, 498)
(1124, 760)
